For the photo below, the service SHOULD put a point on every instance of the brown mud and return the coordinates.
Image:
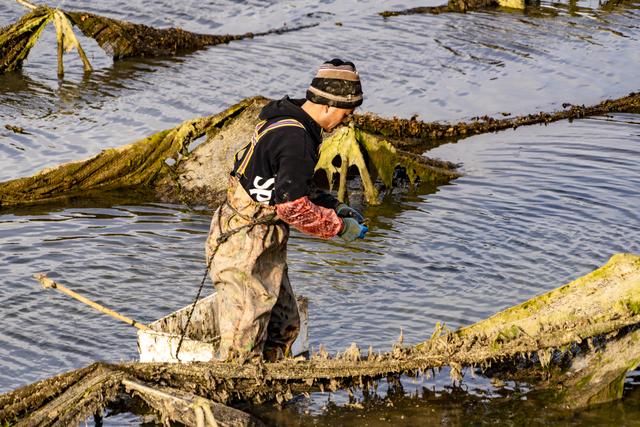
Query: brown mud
(601, 307)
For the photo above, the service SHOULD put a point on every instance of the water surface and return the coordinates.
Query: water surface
(536, 207)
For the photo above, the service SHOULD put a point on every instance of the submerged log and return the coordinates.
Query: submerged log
(601, 307)
(162, 164)
(134, 166)
(462, 6)
(412, 134)
(459, 6)
(120, 39)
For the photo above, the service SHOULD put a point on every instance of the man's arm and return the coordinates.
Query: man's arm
(310, 218)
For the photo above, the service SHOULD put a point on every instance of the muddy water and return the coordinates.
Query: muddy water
(535, 208)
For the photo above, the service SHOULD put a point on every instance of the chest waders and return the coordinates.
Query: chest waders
(256, 310)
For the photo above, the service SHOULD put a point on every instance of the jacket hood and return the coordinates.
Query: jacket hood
(291, 108)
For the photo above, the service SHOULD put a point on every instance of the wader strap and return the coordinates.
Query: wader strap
(246, 152)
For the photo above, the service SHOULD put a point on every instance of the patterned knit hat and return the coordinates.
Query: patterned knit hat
(336, 84)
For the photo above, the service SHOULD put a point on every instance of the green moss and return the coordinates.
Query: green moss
(17, 40)
(507, 334)
(374, 158)
(584, 381)
(632, 306)
(135, 166)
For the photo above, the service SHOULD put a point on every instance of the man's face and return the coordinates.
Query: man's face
(334, 116)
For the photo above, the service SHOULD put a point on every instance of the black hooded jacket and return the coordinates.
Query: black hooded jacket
(282, 164)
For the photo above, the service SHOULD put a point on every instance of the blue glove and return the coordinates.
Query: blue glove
(345, 211)
(351, 230)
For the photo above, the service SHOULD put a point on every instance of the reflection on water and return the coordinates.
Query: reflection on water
(535, 208)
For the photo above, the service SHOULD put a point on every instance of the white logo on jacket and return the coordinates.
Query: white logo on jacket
(262, 192)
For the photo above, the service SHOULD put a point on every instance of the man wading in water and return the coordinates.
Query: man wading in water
(271, 189)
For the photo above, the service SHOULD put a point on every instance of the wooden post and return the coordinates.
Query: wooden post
(60, 39)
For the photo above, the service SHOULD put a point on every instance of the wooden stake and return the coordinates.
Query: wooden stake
(60, 39)
(68, 30)
(48, 283)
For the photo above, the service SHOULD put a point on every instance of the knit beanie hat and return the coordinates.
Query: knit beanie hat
(336, 84)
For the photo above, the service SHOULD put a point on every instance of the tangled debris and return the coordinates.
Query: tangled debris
(123, 39)
(120, 39)
(134, 166)
(578, 342)
(17, 40)
(350, 145)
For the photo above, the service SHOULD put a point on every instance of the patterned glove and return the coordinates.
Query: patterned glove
(345, 211)
(351, 230)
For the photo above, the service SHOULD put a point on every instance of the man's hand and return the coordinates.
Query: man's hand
(345, 211)
(352, 230)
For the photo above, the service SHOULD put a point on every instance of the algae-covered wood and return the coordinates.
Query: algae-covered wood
(121, 39)
(593, 321)
(164, 167)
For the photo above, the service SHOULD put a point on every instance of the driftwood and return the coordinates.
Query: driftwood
(459, 6)
(576, 342)
(411, 134)
(120, 39)
(188, 409)
(163, 165)
(462, 6)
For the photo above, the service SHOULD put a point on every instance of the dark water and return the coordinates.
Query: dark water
(536, 207)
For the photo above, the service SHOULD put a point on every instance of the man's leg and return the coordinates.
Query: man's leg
(284, 324)
(247, 273)
(242, 316)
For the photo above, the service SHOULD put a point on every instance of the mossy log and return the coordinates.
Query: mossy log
(16, 40)
(462, 6)
(416, 135)
(188, 409)
(459, 6)
(601, 307)
(135, 166)
(120, 39)
(199, 176)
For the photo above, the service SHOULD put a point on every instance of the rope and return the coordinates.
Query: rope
(219, 241)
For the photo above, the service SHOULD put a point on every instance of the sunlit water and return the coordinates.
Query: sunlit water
(535, 208)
